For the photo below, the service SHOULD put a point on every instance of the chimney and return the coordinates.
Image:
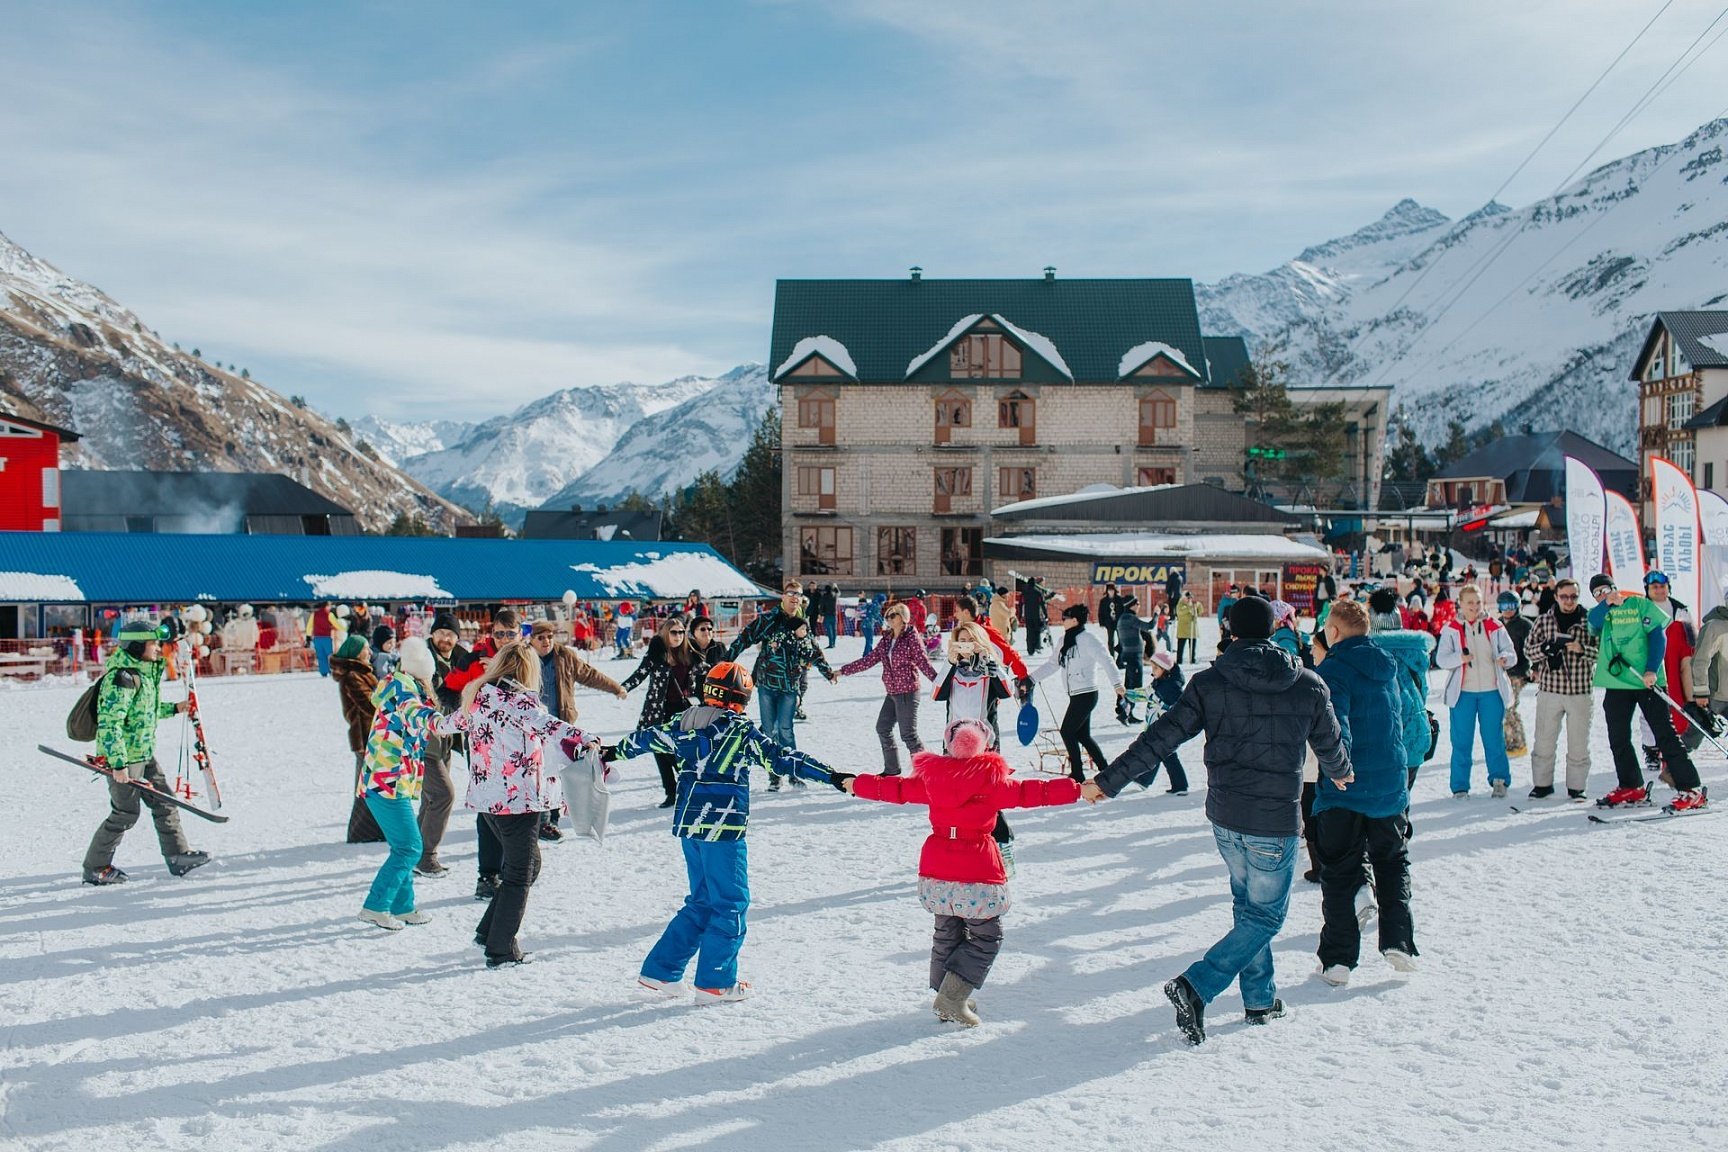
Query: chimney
(917, 272)
(1049, 273)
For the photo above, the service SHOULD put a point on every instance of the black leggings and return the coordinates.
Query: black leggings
(1077, 734)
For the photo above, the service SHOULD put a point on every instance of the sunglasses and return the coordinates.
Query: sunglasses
(503, 635)
(674, 631)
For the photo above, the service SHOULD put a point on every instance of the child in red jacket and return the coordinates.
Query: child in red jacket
(961, 880)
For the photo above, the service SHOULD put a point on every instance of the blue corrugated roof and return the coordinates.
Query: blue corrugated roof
(120, 568)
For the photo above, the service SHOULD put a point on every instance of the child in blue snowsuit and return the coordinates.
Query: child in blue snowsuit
(1167, 685)
(715, 745)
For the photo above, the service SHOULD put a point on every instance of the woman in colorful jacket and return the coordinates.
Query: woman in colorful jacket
(1477, 650)
(509, 782)
(403, 714)
(673, 670)
(902, 658)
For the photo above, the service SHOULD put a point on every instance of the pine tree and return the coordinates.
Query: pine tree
(754, 496)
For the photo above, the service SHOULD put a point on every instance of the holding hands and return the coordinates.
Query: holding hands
(1091, 793)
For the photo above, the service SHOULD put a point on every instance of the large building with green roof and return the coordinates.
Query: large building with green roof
(913, 407)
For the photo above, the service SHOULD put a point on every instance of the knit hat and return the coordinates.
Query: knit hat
(1077, 612)
(445, 622)
(138, 630)
(1283, 610)
(381, 636)
(1164, 659)
(417, 659)
(350, 648)
(967, 737)
(1506, 602)
(1251, 619)
(1599, 581)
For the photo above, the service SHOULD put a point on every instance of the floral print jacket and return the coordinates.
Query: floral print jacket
(508, 730)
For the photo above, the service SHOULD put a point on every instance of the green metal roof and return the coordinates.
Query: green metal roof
(1227, 358)
(886, 324)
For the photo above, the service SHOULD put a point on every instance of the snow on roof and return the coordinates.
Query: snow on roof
(1204, 548)
(1090, 492)
(375, 584)
(1524, 519)
(826, 347)
(1717, 343)
(1140, 355)
(22, 586)
(1039, 343)
(960, 326)
(667, 576)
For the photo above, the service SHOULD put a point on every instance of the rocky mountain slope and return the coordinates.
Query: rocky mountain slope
(1530, 315)
(72, 356)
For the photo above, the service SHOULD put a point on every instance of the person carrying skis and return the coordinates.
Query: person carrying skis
(962, 876)
(902, 658)
(1629, 667)
(716, 747)
(129, 705)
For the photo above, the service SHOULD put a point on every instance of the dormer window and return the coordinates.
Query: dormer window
(984, 356)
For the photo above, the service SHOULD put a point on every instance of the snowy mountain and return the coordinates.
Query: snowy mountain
(1542, 333)
(71, 355)
(517, 461)
(395, 440)
(665, 452)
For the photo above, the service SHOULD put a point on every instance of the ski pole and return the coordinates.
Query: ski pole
(1702, 731)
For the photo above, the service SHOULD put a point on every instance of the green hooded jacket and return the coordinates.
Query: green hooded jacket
(128, 708)
(1624, 654)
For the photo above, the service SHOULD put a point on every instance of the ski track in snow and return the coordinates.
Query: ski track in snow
(1568, 997)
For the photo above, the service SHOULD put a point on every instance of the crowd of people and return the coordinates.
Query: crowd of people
(1312, 738)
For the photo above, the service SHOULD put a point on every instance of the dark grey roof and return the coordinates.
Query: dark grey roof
(1688, 329)
(1715, 416)
(1227, 357)
(1152, 507)
(886, 324)
(86, 492)
(1400, 495)
(1534, 466)
(544, 524)
(64, 433)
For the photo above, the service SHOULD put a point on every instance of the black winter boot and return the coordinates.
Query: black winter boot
(486, 887)
(1190, 1009)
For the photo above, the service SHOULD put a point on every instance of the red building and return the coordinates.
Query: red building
(30, 474)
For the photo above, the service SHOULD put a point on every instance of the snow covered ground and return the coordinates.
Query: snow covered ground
(1569, 997)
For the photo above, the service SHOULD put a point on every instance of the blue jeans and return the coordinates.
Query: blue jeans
(831, 625)
(778, 708)
(710, 926)
(393, 887)
(1487, 712)
(1261, 868)
(321, 648)
(869, 630)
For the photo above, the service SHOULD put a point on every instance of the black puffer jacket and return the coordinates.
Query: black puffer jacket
(1259, 709)
(671, 688)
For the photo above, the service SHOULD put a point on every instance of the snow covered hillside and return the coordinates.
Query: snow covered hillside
(1545, 334)
(72, 356)
(518, 460)
(665, 452)
(396, 440)
(1566, 997)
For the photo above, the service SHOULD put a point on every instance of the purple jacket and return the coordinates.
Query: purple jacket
(902, 658)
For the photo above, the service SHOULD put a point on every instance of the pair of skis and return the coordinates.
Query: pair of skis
(143, 786)
(200, 752)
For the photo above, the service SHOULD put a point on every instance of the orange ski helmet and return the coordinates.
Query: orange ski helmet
(727, 685)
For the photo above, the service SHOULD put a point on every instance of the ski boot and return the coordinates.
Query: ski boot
(184, 862)
(1694, 800)
(742, 990)
(106, 875)
(1637, 796)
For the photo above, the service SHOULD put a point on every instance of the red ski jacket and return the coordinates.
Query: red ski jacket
(964, 796)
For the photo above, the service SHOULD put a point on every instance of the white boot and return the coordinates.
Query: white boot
(1336, 975)
(666, 989)
(382, 919)
(1400, 959)
(417, 916)
(739, 991)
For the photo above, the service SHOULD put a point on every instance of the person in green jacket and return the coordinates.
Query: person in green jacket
(1629, 666)
(128, 706)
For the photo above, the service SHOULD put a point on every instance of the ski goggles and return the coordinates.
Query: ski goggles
(143, 633)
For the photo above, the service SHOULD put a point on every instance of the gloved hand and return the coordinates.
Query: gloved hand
(1023, 689)
(1704, 718)
(838, 779)
(608, 753)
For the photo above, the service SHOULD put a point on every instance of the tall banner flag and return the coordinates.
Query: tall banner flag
(1677, 552)
(1713, 517)
(1586, 517)
(1625, 549)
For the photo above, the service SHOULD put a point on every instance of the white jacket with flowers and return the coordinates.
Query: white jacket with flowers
(508, 769)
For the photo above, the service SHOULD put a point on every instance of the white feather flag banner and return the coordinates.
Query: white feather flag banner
(1677, 552)
(1625, 548)
(1586, 518)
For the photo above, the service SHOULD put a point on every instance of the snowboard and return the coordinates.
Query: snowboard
(147, 789)
(1026, 726)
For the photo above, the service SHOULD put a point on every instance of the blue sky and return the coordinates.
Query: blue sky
(431, 208)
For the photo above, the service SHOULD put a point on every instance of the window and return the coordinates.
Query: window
(1680, 406)
(816, 410)
(1709, 476)
(1681, 454)
(952, 411)
(896, 551)
(816, 483)
(825, 551)
(1149, 476)
(983, 356)
(962, 551)
(50, 487)
(1157, 418)
(951, 482)
(1652, 412)
(1018, 410)
(1017, 483)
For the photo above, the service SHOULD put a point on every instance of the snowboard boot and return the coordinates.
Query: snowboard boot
(1541, 791)
(1265, 1015)
(486, 887)
(106, 875)
(1636, 796)
(184, 862)
(1190, 1009)
(1693, 800)
(953, 1002)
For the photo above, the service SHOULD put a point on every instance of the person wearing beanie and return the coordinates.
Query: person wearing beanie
(1167, 685)
(1259, 709)
(384, 656)
(1080, 657)
(392, 773)
(129, 705)
(1561, 653)
(962, 878)
(1518, 628)
(438, 792)
(355, 683)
